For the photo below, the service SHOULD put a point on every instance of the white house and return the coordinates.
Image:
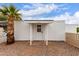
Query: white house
(40, 30)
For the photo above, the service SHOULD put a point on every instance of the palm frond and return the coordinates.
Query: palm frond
(16, 11)
(18, 16)
(4, 10)
(11, 10)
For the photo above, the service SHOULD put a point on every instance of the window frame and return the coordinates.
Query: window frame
(39, 28)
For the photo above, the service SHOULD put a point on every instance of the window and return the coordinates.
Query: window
(38, 28)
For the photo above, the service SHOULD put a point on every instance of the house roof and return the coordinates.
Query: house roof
(39, 21)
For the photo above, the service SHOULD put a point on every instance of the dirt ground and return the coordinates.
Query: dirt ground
(38, 49)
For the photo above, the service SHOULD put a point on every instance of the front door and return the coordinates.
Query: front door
(38, 31)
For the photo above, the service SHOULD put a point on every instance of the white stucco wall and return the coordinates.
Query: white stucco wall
(56, 31)
(21, 30)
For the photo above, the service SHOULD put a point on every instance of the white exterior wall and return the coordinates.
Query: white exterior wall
(22, 31)
(56, 31)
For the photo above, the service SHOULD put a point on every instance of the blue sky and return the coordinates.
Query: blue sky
(49, 11)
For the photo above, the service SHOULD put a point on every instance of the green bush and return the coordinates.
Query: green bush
(77, 29)
(3, 18)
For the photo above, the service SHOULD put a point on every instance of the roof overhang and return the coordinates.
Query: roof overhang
(39, 21)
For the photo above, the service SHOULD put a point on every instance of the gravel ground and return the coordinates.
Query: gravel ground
(38, 49)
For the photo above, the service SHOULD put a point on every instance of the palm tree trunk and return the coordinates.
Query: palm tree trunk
(10, 30)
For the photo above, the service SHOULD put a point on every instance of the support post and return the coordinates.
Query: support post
(30, 34)
(30, 42)
(46, 42)
(46, 35)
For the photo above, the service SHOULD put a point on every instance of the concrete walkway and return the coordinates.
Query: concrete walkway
(38, 49)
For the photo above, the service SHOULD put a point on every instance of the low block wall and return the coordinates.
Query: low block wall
(2, 35)
(72, 39)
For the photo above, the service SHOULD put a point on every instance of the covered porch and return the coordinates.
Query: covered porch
(39, 30)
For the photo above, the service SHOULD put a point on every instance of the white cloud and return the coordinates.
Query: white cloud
(74, 19)
(77, 14)
(40, 9)
(46, 8)
(37, 9)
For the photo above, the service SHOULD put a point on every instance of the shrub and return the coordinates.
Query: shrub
(77, 29)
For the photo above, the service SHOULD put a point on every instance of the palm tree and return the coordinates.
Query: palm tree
(12, 14)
